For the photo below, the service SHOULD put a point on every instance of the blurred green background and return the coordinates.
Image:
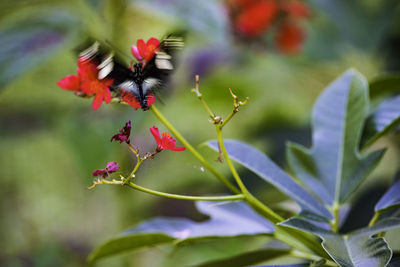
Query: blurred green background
(51, 141)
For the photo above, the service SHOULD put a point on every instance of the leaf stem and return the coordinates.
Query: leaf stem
(167, 195)
(335, 222)
(375, 218)
(303, 255)
(200, 97)
(202, 160)
(229, 162)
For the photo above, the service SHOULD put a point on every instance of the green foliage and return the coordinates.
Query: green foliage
(261, 165)
(358, 248)
(226, 221)
(128, 243)
(333, 168)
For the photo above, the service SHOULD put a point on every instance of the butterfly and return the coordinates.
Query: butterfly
(137, 83)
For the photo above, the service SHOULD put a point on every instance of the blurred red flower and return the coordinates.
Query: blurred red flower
(70, 83)
(87, 82)
(164, 142)
(253, 19)
(145, 51)
(290, 38)
(256, 17)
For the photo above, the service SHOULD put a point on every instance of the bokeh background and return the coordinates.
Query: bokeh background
(50, 140)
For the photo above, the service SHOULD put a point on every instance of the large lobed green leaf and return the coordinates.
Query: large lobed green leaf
(226, 220)
(390, 199)
(333, 167)
(385, 118)
(356, 249)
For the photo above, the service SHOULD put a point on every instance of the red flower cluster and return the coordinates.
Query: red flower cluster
(254, 18)
(86, 82)
(164, 142)
(144, 52)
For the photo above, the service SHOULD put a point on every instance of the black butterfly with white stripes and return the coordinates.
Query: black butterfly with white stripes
(136, 84)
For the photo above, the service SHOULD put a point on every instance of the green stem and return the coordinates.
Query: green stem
(203, 161)
(307, 256)
(228, 118)
(229, 162)
(335, 223)
(175, 196)
(206, 107)
(375, 218)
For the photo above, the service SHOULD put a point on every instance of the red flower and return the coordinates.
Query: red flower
(145, 51)
(124, 133)
(132, 100)
(91, 84)
(164, 142)
(295, 9)
(255, 19)
(110, 168)
(87, 82)
(290, 37)
(70, 83)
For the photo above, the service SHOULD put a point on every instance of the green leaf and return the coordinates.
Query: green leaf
(261, 165)
(333, 168)
(248, 258)
(385, 118)
(30, 41)
(128, 243)
(358, 248)
(390, 199)
(226, 220)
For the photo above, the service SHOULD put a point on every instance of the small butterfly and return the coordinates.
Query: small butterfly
(136, 84)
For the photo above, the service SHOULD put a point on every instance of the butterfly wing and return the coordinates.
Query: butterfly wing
(157, 71)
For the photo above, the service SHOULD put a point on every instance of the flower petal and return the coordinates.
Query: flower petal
(135, 53)
(150, 99)
(98, 99)
(152, 46)
(106, 94)
(142, 48)
(100, 172)
(112, 167)
(180, 148)
(156, 134)
(69, 82)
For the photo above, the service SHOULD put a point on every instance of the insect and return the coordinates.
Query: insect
(136, 84)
